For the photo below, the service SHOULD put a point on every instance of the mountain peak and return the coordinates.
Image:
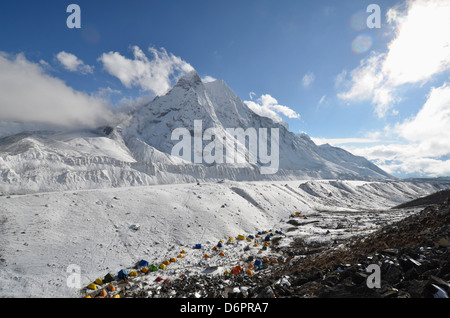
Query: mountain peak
(189, 79)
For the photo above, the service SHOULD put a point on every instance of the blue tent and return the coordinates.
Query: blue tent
(143, 263)
(257, 262)
(122, 274)
(198, 246)
(267, 238)
(219, 245)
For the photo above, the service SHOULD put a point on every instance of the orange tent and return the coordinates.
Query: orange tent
(237, 270)
(102, 294)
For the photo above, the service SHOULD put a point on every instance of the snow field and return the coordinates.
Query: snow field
(104, 231)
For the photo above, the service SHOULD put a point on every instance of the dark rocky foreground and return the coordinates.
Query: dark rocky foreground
(412, 255)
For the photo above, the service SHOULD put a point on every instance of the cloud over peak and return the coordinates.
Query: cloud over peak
(268, 106)
(154, 75)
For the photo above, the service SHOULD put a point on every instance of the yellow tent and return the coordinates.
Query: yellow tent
(241, 237)
(180, 256)
(92, 286)
(183, 252)
(163, 266)
(98, 281)
(133, 273)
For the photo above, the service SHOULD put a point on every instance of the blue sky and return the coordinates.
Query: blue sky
(289, 59)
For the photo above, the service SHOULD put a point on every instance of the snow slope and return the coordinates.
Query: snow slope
(41, 235)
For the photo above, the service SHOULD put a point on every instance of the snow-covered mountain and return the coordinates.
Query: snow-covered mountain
(138, 151)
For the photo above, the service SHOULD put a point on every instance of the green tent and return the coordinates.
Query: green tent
(153, 268)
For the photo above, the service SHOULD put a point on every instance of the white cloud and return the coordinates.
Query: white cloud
(267, 106)
(419, 51)
(419, 144)
(72, 63)
(155, 75)
(340, 78)
(430, 127)
(421, 48)
(29, 95)
(308, 79)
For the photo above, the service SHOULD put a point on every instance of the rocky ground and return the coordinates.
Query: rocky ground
(413, 256)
